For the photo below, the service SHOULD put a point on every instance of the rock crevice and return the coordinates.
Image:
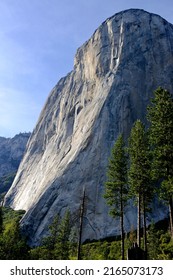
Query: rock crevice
(114, 76)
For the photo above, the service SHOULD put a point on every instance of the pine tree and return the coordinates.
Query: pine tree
(139, 175)
(153, 240)
(62, 246)
(116, 188)
(160, 115)
(81, 218)
(12, 244)
(1, 220)
(56, 244)
(50, 241)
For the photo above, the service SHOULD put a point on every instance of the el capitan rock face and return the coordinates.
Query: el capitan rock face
(114, 76)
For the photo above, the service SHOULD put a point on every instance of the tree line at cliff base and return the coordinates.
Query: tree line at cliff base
(140, 169)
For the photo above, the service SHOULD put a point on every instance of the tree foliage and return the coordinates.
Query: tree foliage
(1, 220)
(13, 245)
(140, 164)
(160, 116)
(149, 154)
(141, 189)
(116, 188)
(56, 245)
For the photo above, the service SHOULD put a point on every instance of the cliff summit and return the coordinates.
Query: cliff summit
(114, 76)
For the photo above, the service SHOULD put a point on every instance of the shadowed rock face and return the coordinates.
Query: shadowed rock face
(114, 76)
(11, 152)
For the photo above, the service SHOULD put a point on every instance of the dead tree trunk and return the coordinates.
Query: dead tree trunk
(171, 216)
(82, 208)
(122, 227)
(139, 222)
(144, 229)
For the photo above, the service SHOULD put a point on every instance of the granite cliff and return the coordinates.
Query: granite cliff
(114, 76)
(11, 153)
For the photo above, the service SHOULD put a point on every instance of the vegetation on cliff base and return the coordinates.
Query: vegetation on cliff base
(150, 173)
(62, 242)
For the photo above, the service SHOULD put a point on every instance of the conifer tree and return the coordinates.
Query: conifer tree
(1, 220)
(140, 175)
(160, 115)
(50, 241)
(153, 240)
(12, 244)
(116, 188)
(57, 243)
(62, 246)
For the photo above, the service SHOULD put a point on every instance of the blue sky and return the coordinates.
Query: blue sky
(38, 42)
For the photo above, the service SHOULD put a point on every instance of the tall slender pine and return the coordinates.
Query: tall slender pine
(140, 175)
(116, 188)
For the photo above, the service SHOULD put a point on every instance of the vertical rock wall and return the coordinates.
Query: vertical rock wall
(114, 76)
